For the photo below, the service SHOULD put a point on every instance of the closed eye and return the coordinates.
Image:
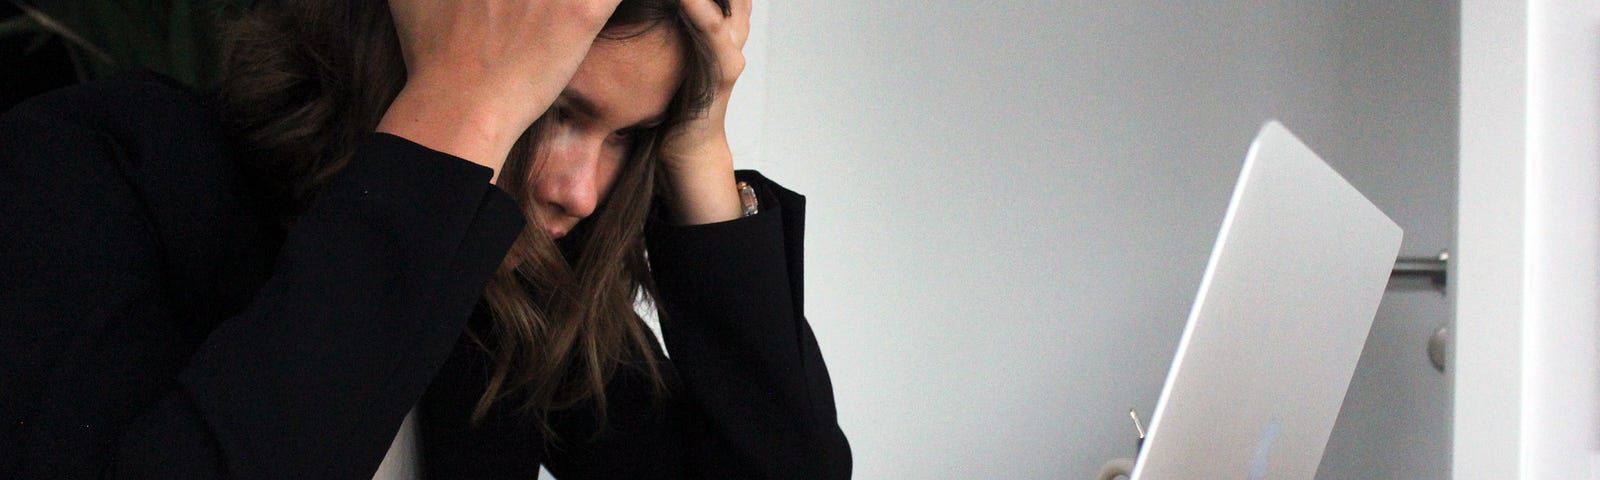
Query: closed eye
(629, 135)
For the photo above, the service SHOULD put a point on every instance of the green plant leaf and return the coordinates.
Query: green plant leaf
(49, 23)
(18, 25)
(179, 38)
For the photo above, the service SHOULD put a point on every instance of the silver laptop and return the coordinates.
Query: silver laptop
(1283, 311)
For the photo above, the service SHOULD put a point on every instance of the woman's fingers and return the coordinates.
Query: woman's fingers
(725, 35)
(741, 16)
(709, 19)
(704, 14)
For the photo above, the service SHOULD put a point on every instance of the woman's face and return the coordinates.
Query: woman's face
(621, 90)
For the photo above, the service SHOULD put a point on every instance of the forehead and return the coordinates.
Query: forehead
(630, 79)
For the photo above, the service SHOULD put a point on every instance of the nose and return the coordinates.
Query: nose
(571, 177)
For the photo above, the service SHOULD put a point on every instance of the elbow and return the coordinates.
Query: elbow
(834, 460)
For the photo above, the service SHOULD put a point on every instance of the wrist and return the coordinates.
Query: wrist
(458, 122)
(704, 190)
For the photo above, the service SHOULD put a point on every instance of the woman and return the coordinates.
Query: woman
(256, 285)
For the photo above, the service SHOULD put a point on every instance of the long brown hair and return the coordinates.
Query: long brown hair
(304, 81)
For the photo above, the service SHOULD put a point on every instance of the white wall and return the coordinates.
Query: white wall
(1488, 269)
(1562, 397)
(1528, 387)
(1011, 203)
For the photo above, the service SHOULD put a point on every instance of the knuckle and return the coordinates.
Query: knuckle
(588, 11)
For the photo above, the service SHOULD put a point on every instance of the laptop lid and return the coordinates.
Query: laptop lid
(1282, 313)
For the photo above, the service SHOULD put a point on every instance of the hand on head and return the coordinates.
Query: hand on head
(697, 160)
(480, 72)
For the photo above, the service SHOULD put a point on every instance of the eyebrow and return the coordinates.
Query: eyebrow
(576, 101)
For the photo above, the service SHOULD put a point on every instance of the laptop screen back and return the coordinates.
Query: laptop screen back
(1283, 310)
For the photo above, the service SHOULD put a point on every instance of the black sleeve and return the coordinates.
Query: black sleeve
(505, 444)
(756, 400)
(311, 380)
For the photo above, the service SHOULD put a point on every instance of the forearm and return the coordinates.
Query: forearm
(369, 291)
(479, 73)
(734, 323)
(456, 121)
(703, 189)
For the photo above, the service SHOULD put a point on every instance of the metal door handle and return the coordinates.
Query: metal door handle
(1435, 268)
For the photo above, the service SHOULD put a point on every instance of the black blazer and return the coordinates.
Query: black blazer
(155, 324)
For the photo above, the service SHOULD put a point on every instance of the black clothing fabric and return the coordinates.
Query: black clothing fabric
(155, 323)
